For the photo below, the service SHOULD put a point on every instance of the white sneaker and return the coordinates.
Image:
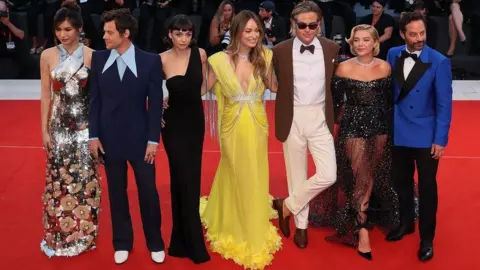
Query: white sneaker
(158, 257)
(121, 256)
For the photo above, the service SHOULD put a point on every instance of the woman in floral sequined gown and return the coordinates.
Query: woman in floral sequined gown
(363, 194)
(72, 193)
(238, 212)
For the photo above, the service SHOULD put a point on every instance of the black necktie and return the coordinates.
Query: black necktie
(311, 48)
(406, 54)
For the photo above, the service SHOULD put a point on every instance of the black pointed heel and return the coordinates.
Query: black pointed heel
(362, 224)
(365, 255)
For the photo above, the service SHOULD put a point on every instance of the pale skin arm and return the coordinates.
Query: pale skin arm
(15, 30)
(165, 100)
(386, 69)
(203, 56)
(214, 34)
(87, 57)
(386, 35)
(212, 79)
(45, 98)
(272, 80)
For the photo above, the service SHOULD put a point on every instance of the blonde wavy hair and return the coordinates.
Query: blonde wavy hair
(372, 31)
(305, 7)
(257, 54)
(219, 14)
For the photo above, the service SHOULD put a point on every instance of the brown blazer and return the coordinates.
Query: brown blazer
(283, 66)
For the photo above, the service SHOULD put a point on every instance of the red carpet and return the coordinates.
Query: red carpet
(22, 181)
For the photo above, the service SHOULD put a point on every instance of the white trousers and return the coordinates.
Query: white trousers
(309, 130)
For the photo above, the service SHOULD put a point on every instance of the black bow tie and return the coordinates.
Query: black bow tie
(406, 54)
(311, 48)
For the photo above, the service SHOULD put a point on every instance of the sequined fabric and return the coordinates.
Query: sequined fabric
(363, 194)
(72, 191)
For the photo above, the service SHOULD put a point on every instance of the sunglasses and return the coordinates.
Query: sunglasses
(311, 26)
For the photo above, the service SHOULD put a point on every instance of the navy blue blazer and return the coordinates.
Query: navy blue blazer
(423, 102)
(118, 113)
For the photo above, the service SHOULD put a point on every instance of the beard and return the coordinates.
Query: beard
(417, 45)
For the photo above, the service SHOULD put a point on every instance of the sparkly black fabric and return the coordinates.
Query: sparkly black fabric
(363, 194)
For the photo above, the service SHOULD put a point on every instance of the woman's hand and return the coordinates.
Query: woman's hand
(165, 104)
(222, 32)
(47, 142)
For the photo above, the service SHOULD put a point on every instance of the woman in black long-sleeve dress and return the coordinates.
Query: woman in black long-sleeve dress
(183, 136)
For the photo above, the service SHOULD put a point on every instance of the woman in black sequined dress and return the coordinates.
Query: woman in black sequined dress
(184, 66)
(363, 194)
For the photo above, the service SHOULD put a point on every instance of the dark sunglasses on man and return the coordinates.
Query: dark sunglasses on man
(311, 26)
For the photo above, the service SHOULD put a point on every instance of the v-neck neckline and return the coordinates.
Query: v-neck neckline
(244, 92)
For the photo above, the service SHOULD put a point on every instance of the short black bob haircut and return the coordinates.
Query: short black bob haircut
(182, 23)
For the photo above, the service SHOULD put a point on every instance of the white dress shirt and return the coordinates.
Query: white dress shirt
(268, 23)
(308, 74)
(409, 63)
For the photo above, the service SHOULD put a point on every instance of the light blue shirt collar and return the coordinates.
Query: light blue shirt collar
(125, 60)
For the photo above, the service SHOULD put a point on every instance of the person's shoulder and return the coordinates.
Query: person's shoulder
(366, 19)
(387, 16)
(282, 45)
(344, 68)
(147, 57)
(330, 43)
(88, 49)
(203, 54)
(267, 51)
(218, 56)
(163, 59)
(145, 54)
(164, 55)
(87, 54)
(435, 56)
(102, 52)
(49, 52)
(395, 50)
(384, 66)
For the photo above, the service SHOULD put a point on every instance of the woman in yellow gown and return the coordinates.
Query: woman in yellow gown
(238, 211)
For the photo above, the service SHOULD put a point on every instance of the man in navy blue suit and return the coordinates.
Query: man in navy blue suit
(423, 112)
(124, 80)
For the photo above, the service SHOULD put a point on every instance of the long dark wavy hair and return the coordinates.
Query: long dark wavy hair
(257, 54)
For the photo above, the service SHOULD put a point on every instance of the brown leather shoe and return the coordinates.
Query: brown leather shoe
(283, 222)
(300, 238)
